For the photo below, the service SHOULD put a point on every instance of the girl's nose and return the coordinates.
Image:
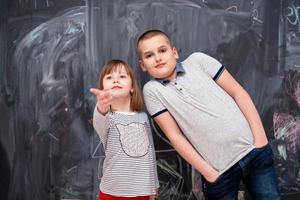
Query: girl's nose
(116, 80)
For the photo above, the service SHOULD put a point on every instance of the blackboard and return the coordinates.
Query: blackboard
(51, 52)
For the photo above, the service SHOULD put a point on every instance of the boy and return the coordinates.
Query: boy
(224, 138)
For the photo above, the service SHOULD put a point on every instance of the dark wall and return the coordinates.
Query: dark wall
(51, 52)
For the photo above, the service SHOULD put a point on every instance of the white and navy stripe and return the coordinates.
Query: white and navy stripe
(126, 171)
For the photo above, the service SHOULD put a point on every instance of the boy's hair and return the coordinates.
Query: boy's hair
(137, 102)
(151, 33)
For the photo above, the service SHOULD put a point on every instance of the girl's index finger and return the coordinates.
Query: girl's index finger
(95, 91)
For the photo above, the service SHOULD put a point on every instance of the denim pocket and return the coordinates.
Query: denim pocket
(262, 157)
(225, 185)
(267, 146)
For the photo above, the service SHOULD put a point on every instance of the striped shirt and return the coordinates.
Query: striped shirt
(129, 167)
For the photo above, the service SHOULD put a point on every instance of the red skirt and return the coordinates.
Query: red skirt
(103, 196)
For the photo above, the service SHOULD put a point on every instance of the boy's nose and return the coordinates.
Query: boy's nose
(157, 57)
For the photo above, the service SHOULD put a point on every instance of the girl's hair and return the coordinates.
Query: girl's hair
(137, 102)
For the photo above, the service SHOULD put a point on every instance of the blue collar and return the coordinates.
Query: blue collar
(179, 69)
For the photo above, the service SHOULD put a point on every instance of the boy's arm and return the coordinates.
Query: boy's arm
(169, 126)
(243, 100)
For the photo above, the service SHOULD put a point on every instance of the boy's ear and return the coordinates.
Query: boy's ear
(142, 66)
(175, 53)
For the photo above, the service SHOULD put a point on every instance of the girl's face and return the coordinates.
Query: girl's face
(119, 82)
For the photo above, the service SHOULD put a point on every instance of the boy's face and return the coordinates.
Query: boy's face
(157, 57)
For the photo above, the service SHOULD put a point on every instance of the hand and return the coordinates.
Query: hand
(212, 176)
(104, 99)
(152, 197)
(261, 142)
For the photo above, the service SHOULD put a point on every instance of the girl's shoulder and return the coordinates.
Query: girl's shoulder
(144, 114)
(128, 114)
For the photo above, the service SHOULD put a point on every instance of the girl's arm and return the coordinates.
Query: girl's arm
(104, 99)
(169, 126)
(153, 155)
(101, 124)
(100, 119)
(243, 100)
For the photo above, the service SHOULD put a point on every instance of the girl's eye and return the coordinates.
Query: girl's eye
(108, 77)
(148, 55)
(123, 76)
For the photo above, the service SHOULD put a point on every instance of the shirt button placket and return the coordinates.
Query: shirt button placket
(178, 87)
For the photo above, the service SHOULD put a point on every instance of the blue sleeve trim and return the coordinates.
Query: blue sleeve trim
(218, 74)
(160, 112)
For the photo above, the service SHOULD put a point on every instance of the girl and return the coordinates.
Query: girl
(129, 169)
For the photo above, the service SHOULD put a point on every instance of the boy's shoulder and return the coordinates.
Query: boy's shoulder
(151, 84)
(153, 88)
(194, 59)
(195, 56)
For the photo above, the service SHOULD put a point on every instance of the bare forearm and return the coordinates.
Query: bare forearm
(243, 100)
(187, 151)
(169, 126)
(249, 110)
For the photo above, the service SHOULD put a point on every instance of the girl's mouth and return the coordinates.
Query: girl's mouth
(116, 87)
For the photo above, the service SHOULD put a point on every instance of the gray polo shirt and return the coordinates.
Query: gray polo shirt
(209, 117)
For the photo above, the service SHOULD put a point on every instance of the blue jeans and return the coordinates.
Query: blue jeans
(256, 170)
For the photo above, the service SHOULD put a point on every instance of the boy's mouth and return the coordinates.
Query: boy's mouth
(160, 65)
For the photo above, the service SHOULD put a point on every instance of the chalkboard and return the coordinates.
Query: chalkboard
(51, 52)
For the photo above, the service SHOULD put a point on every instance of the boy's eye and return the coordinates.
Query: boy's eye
(148, 55)
(163, 50)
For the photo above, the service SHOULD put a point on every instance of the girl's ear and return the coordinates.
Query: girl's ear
(131, 90)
